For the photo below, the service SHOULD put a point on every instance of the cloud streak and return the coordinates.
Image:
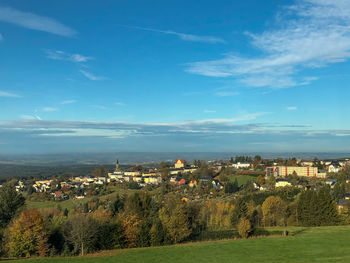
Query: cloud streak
(61, 55)
(8, 94)
(35, 22)
(91, 76)
(315, 34)
(49, 109)
(67, 102)
(182, 36)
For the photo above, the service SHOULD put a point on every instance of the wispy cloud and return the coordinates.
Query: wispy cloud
(291, 108)
(50, 109)
(209, 111)
(35, 22)
(61, 55)
(226, 93)
(68, 102)
(91, 76)
(119, 104)
(30, 117)
(8, 94)
(183, 36)
(312, 34)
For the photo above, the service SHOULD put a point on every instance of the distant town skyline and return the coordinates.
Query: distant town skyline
(259, 76)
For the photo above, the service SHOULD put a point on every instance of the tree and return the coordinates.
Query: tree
(260, 180)
(174, 218)
(317, 208)
(28, 235)
(244, 227)
(231, 187)
(132, 225)
(339, 191)
(241, 210)
(81, 231)
(274, 211)
(10, 203)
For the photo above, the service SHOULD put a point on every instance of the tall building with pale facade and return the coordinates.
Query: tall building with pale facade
(281, 171)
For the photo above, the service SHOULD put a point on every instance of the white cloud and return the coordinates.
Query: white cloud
(316, 34)
(61, 55)
(209, 111)
(91, 76)
(291, 108)
(185, 37)
(35, 22)
(119, 104)
(68, 102)
(8, 94)
(49, 109)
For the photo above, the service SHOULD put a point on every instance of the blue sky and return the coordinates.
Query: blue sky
(174, 76)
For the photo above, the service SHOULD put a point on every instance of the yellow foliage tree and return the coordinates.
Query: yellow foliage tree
(274, 211)
(131, 225)
(27, 235)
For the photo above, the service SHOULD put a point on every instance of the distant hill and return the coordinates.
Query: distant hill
(145, 157)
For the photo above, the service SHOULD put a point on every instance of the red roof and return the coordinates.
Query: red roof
(58, 192)
(181, 160)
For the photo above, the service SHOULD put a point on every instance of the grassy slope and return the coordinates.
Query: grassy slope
(323, 244)
(242, 179)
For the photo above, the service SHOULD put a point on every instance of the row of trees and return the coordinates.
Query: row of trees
(141, 219)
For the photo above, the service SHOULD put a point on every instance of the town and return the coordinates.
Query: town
(213, 178)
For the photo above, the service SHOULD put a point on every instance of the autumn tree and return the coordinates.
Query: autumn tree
(27, 236)
(274, 211)
(174, 218)
(244, 227)
(260, 180)
(132, 225)
(81, 232)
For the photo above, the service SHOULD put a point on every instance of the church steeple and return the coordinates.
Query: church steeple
(117, 165)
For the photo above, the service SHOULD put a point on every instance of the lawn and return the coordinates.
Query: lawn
(242, 179)
(321, 244)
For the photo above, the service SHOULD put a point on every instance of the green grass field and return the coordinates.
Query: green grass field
(242, 179)
(321, 244)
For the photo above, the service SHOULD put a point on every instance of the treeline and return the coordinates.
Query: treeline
(141, 219)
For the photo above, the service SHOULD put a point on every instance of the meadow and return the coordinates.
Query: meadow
(318, 244)
(242, 179)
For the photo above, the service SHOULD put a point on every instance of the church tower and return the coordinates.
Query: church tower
(117, 165)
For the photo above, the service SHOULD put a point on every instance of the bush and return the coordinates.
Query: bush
(244, 227)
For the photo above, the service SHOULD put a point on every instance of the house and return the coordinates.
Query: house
(205, 179)
(256, 186)
(59, 195)
(180, 181)
(347, 196)
(331, 182)
(192, 183)
(172, 179)
(179, 163)
(282, 183)
(334, 167)
(240, 165)
(342, 205)
(217, 184)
